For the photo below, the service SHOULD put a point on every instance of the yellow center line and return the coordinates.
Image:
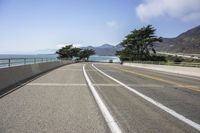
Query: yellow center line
(160, 79)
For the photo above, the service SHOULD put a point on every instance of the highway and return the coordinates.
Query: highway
(135, 114)
(57, 102)
(131, 100)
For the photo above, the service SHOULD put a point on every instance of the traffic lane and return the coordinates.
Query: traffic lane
(183, 101)
(133, 113)
(52, 107)
(66, 74)
(184, 79)
(151, 79)
(99, 78)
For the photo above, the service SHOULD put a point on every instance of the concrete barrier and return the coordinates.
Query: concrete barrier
(15, 75)
(190, 71)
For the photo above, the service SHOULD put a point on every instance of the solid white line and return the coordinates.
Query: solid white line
(107, 115)
(161, 106)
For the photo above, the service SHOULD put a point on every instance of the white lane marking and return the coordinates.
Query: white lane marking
(107, 115)
(152, 86)
(54, 84)
(161, 106)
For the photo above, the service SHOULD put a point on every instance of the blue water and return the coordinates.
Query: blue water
(28, 56)
(104, 58)
(29, 59)
(95, 58)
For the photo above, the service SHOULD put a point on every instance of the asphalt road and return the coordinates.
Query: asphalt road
(61, 101)
(133, 113)
(57, 102)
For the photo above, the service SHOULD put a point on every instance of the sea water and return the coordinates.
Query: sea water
(95, 58)
(17, 57)
(28, 56)
(98, 58)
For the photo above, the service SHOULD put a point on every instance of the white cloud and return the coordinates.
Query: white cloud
(185, 10)
(112, 24)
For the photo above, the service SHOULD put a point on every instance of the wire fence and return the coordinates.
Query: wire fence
(9, 62)
(186, 64)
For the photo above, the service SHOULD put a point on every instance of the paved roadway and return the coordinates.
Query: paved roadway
(60, 101)
(133, 113)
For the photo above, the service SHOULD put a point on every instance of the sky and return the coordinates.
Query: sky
(31, 25)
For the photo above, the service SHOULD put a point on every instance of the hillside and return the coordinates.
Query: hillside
(104, 50)
(187, 42)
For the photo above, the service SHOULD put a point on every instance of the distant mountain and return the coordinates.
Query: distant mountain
(104, 50)
(106, 46)
(187, 42)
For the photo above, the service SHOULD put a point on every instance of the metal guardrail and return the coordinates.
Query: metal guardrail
(185, 64)
(9, 62)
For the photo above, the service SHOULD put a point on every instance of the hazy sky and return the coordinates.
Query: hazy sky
(29, 25)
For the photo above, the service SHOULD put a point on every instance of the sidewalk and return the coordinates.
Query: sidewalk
(191, 71)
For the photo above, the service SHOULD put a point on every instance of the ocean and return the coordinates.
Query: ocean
(30, 60)
(17, 61)
(28, 56)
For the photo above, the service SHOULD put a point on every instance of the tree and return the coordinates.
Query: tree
(147, 40)
(86, 53)
(68, 52)
(125, 54)
(75, 52)
(139, 43)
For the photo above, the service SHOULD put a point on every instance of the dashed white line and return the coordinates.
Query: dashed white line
(107, 115)
(159, 105)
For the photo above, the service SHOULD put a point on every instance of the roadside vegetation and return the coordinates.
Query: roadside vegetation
(70, 52)
(139, 45)
(178, 59)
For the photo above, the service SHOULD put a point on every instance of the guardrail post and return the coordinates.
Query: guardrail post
(9, 63)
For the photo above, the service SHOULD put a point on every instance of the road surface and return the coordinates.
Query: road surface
(133, 113)
(57, 102)
(61, 101)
